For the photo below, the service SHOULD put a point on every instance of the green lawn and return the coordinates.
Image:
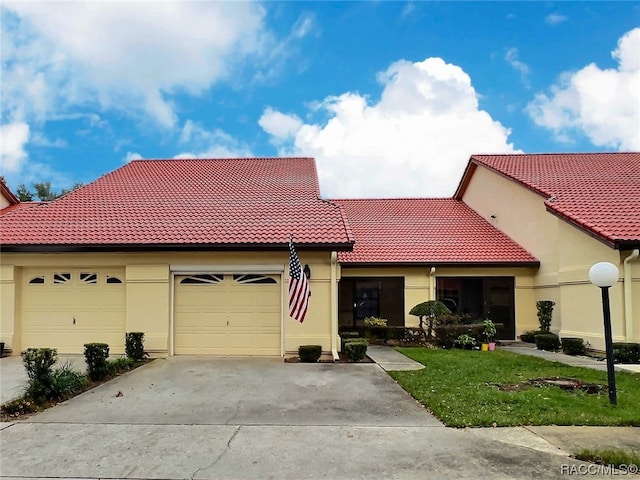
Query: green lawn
(460, 387)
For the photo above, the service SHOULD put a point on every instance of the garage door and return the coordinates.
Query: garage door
(66, 308)
(227, 314)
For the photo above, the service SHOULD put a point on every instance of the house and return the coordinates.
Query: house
(194, 253)
(414, 249)
(570, 211)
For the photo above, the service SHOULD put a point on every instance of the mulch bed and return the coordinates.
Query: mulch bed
(343, 359)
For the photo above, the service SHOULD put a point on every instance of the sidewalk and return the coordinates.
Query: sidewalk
(389, 359)
(576, 361)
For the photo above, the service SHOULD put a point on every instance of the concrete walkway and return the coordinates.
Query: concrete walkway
(390, 359)
(576, 361)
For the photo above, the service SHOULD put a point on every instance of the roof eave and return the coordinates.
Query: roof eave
(489, 264)
(168, 247)
(466, 179)
(612, 243)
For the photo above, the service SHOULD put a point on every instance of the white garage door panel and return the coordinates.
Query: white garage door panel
(67, 315)
(227, 317)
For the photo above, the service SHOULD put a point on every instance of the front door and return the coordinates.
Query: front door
(498, 304)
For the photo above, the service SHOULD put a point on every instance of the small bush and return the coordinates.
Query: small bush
(573, 346)
(39, 363)
(626, 352)
(96, 354)
(545, 314)
(19, 406)
(547, 341)
(529, 336)
(375, 322)
(134, 345)
(346, 335)
(118, 365)
(309, 353)
(66, 382)
(356, 350)
(465, 341)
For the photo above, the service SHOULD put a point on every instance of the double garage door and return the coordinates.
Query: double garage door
(66, 308)
(227, 314)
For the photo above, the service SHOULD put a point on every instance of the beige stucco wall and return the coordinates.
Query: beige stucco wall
(565, 252)
(148, 290)
(420, 286)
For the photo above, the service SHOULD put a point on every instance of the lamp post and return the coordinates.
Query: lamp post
(604, 275)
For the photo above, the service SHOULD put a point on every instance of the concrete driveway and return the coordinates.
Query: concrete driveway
(241, 418)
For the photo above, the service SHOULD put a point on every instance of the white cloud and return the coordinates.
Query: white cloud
(555, 18)
(130, 156)
(415, 141)
(132, 56)
(204, 143)
(512, 58)
(13, 139)
(602, 104)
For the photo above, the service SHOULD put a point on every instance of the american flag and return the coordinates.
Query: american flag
(299, 291)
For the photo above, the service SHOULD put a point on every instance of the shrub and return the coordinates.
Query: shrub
(118, 365)
(446, 335)
(346, 335)
(465, 341)
(529, 336)
(66, 382)
(96, 354)
(39, 363)
(626, 352)
(356, 349)
(375, 322)
(573, 346)
(547, 341)
(309, 353)
(134, 345)
(545, 314)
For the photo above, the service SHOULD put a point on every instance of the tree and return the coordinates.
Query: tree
(43, 192)
(23, 193)
(429, 311)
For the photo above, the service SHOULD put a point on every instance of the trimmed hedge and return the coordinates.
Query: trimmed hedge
(356, 349)
(347, 335)
(626, 352)
(96, 354)
(573, 346)
(406, 335)
(529, 336)
(309, 353)
(548, 341)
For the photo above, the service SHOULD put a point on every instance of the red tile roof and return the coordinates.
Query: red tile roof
(186, 203)
(425, 231)
(598, 192)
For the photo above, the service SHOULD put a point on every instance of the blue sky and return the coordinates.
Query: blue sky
(391, 98)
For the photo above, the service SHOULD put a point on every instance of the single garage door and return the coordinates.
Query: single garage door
(227, 314)
(66, 308)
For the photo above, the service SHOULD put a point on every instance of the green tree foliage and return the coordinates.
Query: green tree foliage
(43, 192)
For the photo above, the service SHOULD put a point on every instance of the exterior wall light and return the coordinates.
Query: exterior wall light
(604, 275)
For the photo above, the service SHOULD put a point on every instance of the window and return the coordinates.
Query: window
(203, 279)
(253, 278)
(89, 278)
(112, 280)
(60, 278)
(37, 280)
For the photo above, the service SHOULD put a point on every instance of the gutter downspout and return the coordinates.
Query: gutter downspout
(432, 286)
(628, 299)
(334, 306)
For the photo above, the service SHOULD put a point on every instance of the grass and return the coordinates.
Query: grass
(460, 387)
(617, 458)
